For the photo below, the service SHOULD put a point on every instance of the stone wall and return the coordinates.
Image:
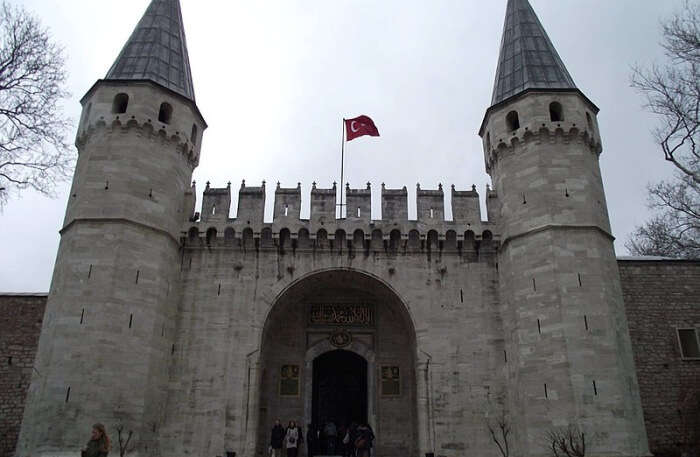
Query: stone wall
(661, 296)
(20, 324)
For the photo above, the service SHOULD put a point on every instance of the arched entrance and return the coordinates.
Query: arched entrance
(339, 346)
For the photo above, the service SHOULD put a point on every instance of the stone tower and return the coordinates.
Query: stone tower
(566, 338)
(108, 332)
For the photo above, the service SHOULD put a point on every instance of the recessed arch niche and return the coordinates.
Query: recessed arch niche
(346, 310)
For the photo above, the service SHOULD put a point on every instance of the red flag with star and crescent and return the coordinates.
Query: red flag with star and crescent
(360, 126)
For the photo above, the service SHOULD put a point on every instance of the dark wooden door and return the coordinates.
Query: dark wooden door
(340, 388)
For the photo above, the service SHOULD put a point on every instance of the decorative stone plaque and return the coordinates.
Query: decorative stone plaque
(391, 381)
(340, 338)
(345, 314)
(289, 381)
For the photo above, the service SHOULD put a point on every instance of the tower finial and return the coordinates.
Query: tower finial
(528, 59)
(157, 50)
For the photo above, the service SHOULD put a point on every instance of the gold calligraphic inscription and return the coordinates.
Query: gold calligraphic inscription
(391, 381)
(341, 314)
(289, 381)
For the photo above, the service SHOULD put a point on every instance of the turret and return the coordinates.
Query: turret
(108, 335)
(565, 328)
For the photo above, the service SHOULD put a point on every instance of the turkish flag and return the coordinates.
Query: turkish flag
(360, 126)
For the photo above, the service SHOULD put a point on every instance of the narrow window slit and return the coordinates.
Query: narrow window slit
(566, 192)
(595, 388)
(90, 271)
(138, 273)
(432, 213)
(505, 356)
(172, 350)
(580, 283)
(534, 285)
(461, 295)
(524, 200)
(190, 262)
(546, 393)
(68, 394)
(9, 360)
(162, 330)
(539, 326)
(131, 320)
(585, 321)
(219, 291)
(82, 316)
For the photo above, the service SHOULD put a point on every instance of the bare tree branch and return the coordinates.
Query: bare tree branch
(34, 153)
(500, 430)
(566, 442)
(672, 92)
(125, 445)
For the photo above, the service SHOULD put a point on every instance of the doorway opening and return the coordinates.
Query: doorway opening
(339, 388)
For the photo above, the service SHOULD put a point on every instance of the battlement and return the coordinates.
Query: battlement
(323, 223)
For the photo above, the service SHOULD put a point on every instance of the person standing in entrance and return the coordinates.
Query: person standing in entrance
(292, 439)
(331, 436)
(363, 441)
(277, 439)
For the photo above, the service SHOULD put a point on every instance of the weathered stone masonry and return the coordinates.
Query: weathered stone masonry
(20, 325)
(661, 296)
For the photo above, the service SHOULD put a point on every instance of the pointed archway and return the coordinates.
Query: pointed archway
(317, 326)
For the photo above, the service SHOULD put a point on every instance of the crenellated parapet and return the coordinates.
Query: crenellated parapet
(146, 109)
(359, 229)
(550, 117)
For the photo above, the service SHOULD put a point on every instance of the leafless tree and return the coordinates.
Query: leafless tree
(672, 93)
(124, 438)
(34, 153)
(566, 442)
(499, 429)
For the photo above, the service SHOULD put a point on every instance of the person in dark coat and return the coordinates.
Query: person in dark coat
(99, 444)
(277, 439)
(364, 440)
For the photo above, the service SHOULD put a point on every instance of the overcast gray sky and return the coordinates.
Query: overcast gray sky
(274, 79)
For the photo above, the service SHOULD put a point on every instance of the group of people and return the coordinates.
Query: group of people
(355, 440)
(289, 438)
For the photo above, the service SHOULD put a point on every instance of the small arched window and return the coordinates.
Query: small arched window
(211, 235)
(556, 112)
(120, 103)
(488, 141)
(193, 136)
(166, 113)
(589, 119)
(512, 121)
(285, 238)
(86, 115)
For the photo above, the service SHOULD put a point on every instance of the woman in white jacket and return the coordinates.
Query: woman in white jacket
(292, 439)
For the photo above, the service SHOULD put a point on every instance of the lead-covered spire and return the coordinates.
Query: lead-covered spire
(528, 59)
(157, 50)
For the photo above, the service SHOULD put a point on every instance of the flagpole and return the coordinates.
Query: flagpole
(342, 166)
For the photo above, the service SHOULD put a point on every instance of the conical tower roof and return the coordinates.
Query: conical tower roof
(528, 59)
(157, 50)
